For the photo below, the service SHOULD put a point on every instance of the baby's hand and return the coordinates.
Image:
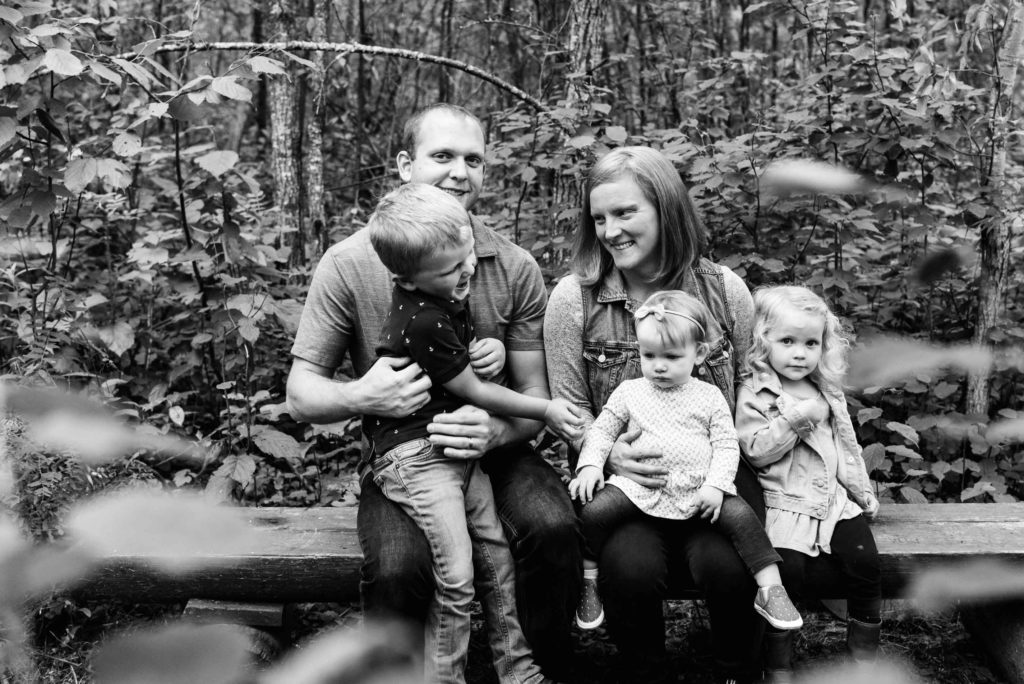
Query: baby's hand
(565, 419)
(709, 502)
(486, 357)
(588, 481)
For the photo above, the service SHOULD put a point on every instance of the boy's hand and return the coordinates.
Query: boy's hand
(588, 481)
(486, 357)
(565, 419)
(709, 502)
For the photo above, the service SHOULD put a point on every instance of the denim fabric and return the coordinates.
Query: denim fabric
(642, 563)
(543, 535)
(452, 504)
(610, 351)
(855, 556)
(769, 432)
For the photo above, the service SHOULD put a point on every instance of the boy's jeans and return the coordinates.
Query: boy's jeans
(452, 503)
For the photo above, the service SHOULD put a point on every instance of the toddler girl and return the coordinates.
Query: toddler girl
(794, 429)
(688, 421)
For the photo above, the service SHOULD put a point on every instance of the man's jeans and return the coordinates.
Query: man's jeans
(542, 531)
(452, 503)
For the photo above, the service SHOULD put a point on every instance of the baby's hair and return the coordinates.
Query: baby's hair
(411, 223)
(677, 330)
(769, 302)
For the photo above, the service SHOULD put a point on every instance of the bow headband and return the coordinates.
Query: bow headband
(659, 312)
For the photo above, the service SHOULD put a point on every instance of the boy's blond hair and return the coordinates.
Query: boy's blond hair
(411, 223)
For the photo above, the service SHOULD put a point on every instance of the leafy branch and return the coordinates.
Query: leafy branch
(349, 48)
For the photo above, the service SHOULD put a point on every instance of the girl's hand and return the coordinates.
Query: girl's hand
(486, 357)
(709, 502)
(815, 410)
(565, 419)
(872, 510)
(588, 481)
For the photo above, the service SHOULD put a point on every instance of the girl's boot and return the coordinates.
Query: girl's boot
(778, 656)
(862, 640)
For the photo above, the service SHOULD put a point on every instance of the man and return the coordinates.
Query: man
(349, 296)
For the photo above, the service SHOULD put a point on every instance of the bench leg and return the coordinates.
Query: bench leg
(262, 623)
(998, 628)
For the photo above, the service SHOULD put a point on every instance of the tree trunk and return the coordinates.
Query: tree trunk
(997, 230)
(283, 94)
(314, 171)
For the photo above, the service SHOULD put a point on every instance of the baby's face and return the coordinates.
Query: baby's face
(795, 343)
(666, 365)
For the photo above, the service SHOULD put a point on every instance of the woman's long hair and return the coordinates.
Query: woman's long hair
(683, 237)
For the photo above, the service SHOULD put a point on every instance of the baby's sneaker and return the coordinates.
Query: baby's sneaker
(590, 613)
(773, 604)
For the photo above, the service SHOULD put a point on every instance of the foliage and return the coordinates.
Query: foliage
(145, 261)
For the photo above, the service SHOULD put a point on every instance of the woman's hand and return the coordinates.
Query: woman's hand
(565, 419)
(465, 433)
(588, 481)
(487, 357)
(632, 463)
(709, 502)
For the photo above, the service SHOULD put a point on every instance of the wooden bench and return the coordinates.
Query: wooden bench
(312, 554)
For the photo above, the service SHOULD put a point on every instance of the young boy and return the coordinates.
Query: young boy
(423, 236)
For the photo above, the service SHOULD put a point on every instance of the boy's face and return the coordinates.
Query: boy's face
(449, 155)
(447, 271)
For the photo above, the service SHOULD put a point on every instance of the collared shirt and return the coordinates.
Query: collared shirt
(590, 338)
(350, 296)
(802, 464)
(436, 334)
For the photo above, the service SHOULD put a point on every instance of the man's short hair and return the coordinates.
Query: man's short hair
(411, 131)
(411, 223)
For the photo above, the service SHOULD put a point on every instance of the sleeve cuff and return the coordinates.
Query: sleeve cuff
(800, 423)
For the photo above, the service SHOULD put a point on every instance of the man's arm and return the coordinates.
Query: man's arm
(470, 431)
(392, 387)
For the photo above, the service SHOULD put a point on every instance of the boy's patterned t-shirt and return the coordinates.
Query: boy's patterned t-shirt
(435, 333)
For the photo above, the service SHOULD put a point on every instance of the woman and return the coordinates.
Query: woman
(639, 233)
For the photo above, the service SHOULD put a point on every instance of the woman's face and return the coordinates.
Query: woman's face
(627, 225)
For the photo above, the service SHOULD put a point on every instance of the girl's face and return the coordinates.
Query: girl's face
(794, 343)
(627, 225)
(666, 365)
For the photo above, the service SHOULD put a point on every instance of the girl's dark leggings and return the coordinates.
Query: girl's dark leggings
(855, 556)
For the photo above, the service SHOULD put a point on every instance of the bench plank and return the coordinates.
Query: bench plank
(312, 554)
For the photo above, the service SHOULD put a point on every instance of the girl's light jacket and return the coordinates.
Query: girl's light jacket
(785, 450)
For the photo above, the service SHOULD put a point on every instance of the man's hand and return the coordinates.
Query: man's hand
(465, 433)
(709, 502)
(633, 464)
(588, 481)
(393, 387)
(487, 357)
(565, 419)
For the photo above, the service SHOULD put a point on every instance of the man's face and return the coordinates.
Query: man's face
(449, 155)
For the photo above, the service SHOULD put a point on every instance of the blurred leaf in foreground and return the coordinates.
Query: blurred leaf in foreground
(383, 653)
(885, 361)
(881, 672)
(977, 581)
(61, 421)
(180, 654)
(175, 533)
